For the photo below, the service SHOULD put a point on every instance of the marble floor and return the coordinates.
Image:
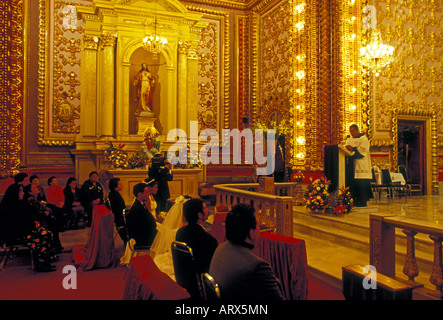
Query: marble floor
(327, 257)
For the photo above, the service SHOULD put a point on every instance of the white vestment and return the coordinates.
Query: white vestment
(362, 166)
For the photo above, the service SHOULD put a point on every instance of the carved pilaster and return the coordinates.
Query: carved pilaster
(182, 108)
(89, 87)
(107, 86)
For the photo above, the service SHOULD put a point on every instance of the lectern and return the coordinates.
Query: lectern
(339, 168)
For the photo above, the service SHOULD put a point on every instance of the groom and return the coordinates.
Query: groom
(140, 223)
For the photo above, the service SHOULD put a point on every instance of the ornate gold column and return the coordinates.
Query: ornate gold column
(182, 85)
(106, 112)
(89, 87)
(11, 86)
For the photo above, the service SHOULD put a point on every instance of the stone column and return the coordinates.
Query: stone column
(88, 117)
(107, 107)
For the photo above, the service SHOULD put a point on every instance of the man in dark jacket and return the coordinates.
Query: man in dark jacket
(195, 236)
(161, 171)
(240, 274)
(140, 223)
(91, 194)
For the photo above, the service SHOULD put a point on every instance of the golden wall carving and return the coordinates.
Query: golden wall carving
(59, 68)
(11, 85)
(214, 69)
(414, 80)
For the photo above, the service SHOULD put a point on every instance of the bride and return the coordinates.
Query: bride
(161, 247)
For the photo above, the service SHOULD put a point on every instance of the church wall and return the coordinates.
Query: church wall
(411, 87)
(236, 84)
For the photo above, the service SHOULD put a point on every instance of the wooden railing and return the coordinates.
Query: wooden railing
(382, 246)
(273, 212)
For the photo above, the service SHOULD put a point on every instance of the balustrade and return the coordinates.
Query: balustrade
(273, 212)
(382, 247)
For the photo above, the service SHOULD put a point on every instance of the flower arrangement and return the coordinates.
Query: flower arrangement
(343, 202)
(316, 195)
(138, 160)
(298, 177)
(151, 144)
(117, 156)
(40, 241)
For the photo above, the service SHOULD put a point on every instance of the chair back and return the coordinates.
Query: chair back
(386, 177)
(402, 169)
(184, 268)
(374, 180)
(211, 290)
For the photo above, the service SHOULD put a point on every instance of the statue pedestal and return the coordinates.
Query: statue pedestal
(145, 120)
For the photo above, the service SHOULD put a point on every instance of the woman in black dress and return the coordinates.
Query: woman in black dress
(117, 205)
(72, 203)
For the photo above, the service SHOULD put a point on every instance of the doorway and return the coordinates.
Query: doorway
(412, 150)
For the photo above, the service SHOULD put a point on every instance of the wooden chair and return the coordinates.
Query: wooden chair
(185, 271)
(211, 290)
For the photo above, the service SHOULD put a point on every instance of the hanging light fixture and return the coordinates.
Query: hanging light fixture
(154, 43)
(376, 55)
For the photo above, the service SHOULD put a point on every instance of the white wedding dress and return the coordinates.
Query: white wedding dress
(161, 246)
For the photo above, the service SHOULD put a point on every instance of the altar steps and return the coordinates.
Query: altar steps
(333, 242)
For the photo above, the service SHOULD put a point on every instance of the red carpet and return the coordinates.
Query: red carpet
(18, 282)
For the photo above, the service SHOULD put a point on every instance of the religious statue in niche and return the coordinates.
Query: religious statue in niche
(144, 82)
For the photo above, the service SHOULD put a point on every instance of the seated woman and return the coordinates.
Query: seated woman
(35, 180)
(56, 200)
(34, 234)
(72, 205)
(38, 212)
(117, 205)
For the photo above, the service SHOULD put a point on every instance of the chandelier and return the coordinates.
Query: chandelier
(376, 55)
(154, 43)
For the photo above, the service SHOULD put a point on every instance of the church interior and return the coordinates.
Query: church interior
(104, 85)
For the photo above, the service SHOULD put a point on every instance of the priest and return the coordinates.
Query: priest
(359, 145)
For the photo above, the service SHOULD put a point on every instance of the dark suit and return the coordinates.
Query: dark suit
(202, 244)
(88, 193)
(162, 175)
(117, 206)
(141, 224)
(241, 275)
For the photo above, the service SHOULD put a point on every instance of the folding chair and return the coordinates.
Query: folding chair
(108, 205)
(211, 290)
(413, 187)
(185, 271)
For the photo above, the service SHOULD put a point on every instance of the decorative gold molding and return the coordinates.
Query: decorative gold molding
(11, 85)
